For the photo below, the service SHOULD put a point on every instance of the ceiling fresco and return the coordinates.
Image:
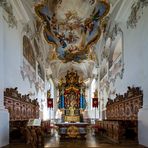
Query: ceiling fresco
(72, 27)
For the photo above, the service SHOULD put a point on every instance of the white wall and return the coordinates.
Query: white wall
(135, 44)
(1, 60)
(4, 115)
(11, 60)
(136, 71)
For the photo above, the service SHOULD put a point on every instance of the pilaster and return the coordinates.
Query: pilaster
(4, 115)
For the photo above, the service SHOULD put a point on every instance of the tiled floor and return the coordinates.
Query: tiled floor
(90, 141)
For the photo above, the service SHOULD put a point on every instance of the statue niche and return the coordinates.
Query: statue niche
(71, 97)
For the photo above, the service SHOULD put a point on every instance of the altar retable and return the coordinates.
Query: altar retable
(72, 104)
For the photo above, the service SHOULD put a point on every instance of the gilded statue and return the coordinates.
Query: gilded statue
(61, 82)
(72, 108)
(96, 94)
(71, 111)
(48, 94)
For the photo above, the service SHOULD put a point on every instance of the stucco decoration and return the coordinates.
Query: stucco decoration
(8, 13)
(116, 57)
(103, 71)
(73, 26)
(41, 72)
(36, 47)
(28, 72)
(115, 71)
(112, 93)
(105, 54)
(113, 51)
(104, 91)
(136, 13)
(27, 29)
(39, 85)
(112, 29)
(91, 55)
(113, 42)
(112, 62)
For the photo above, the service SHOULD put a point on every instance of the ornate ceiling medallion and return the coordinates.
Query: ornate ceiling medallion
(73, 26)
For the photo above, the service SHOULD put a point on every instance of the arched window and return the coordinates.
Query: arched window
(28, 51)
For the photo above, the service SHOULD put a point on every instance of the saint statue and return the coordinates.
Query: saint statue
(96, 94)
(48, 94)
(72, 108)
(71, 111)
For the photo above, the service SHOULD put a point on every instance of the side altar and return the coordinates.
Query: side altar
(72, 104)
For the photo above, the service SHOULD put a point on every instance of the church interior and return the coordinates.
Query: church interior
(73, 73)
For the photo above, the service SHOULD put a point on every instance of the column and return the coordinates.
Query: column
(4, 116)
(62, 99)
(81, 99)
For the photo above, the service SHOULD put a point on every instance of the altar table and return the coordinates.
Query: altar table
(72, 130)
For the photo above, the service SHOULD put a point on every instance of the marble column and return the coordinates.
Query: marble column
(4, 115)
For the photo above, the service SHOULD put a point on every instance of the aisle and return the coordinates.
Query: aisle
(90, 141)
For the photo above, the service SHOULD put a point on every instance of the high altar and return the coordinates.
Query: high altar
(72, 104)
(72, 101)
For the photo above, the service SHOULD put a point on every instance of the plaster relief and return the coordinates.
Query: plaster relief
(8, 13)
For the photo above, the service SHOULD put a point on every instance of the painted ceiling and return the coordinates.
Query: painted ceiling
(72, 27)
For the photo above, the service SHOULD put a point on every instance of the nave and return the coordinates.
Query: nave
(73, 64)
(90, 141)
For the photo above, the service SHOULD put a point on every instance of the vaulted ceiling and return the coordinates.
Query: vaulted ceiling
(71, 31)
(72, 27)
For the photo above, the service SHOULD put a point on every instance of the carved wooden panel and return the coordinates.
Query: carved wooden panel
(20, 107)
(37, 111)
(121, 111)
(28, 111)
(125, 107)
(118, 130)
(23, 111)
(17, 110)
